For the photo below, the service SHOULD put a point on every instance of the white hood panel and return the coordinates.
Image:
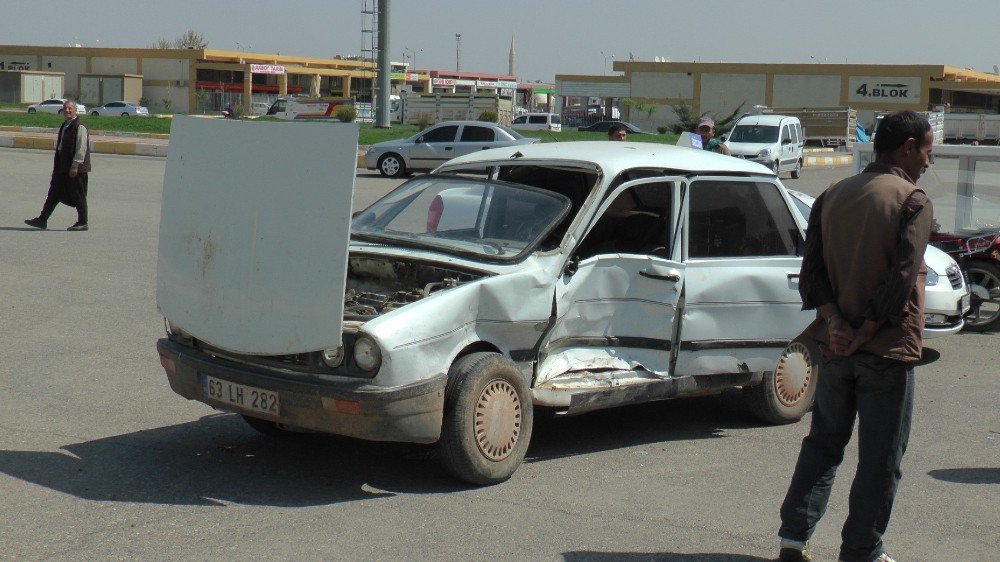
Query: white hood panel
(254, 230)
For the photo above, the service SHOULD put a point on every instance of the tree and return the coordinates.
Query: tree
(640, 106)
(191, 40)
(686, 121)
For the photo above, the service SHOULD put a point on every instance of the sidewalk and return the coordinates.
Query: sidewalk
(152, 144)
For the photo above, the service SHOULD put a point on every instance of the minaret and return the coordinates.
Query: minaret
(510, 60)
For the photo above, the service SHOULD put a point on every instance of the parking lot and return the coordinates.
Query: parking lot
(99, 459)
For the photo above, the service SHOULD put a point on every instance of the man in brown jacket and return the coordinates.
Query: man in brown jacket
(863, 273)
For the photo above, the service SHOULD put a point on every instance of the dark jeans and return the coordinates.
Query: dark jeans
(880, 392)
(68, 191)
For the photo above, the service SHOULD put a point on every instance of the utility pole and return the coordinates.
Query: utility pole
(458, 52)
(384, 67)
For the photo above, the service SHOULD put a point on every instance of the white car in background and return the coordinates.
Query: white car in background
(55, 105)
(946, 297)
(123, 108)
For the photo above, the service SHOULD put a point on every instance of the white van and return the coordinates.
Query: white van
(775, 141)
(537, 122)
(296, 109)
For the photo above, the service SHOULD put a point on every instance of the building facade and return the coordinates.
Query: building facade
(720, 88)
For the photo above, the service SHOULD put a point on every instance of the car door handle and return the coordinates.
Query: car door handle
(669, 275)
(793, 276)
(447, 148)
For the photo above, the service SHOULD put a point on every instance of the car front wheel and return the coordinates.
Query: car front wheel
(95, 113)
(487, 419)
(31, 110)
(391, 165)
(787, 392)
(797, 171)
(125, 114)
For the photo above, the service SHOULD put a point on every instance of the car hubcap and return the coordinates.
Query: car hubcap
(390, 166)
(793, 375)
(497, 420)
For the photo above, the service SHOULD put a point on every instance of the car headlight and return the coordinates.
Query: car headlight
(333, 357)
(367, 355)
(932, 277)
(764, 153)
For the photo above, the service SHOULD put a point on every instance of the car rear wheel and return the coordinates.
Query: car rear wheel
(984, 284)
(787, 392)
(391, 165)
(95, 113)
(60, 112)
(487, 419)
(125, 114)
(797, 171)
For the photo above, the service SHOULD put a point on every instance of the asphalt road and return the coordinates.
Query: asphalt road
(100, 460)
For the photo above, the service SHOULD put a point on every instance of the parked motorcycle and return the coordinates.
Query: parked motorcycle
(978, 254)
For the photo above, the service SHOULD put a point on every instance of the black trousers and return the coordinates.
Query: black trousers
(879, 392)
(68, 191)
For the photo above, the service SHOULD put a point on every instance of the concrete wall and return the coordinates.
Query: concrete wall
(722, 93)
(165, 69)
(798, 90)
(178, 97)
(109, 65)
(71, 66)
(662, 85)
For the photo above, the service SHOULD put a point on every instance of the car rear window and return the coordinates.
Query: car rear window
(472, 133)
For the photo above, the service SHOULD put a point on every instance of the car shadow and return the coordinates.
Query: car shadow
(967, 475)
(217, 459)
(586, 556)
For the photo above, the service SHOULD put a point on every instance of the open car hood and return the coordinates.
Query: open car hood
(254, 230)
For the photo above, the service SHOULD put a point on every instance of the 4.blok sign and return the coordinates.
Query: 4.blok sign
(886, 89)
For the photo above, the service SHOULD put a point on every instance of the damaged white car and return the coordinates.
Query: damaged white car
(575, 276)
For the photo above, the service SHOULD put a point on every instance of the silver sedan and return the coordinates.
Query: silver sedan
(54, 105)
(434, 146)
(123, 108)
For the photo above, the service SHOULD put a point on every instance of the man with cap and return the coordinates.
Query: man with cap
(706, 128)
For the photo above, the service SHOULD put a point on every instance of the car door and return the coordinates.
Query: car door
(741, 260)
(787, 148)
(616, 301)
(474, 138)
(433, 148)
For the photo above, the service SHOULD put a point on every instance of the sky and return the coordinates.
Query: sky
(551, 36)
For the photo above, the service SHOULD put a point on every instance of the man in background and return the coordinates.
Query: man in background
(617, 132)
(706, 129)
(69, 171)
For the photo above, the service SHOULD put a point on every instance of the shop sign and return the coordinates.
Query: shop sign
(887, 89)
(266, 69)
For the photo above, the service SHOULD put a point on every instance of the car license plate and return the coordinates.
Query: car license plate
(242, 396)
(965, 303)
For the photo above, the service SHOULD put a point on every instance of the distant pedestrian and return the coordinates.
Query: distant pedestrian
(863, 272)
(706, 129)
(617, 132)
(69, 171)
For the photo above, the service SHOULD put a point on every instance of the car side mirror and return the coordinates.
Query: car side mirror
(723, 138)
(419, 140)
(786, 141)
(572, 266)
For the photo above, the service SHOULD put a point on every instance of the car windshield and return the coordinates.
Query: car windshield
(754, 133)
(469, 216)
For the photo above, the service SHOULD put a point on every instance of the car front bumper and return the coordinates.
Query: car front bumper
(354, 408)
(944, 311)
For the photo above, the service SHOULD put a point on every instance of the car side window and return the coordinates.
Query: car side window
(537, 119)
(785, 133)
(636, 222)
(441, 134)
(739, 219)
(472, 133)
(520, 120)
(795, 134)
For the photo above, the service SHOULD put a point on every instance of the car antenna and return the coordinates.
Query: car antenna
(552, 135)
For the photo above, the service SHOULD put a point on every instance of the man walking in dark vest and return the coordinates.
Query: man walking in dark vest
(69, 171)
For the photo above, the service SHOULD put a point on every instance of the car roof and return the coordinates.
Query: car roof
(613, 157)
(480, 123)
(768, 119)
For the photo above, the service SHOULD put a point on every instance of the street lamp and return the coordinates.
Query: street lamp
(458, 52)
(413, 55)
(606, 56)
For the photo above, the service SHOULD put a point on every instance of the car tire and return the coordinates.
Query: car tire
(797, 171)
(391, 165)
(487, 419)
(787, 392)
(267, 427)
(60, 112)
(125, 115)
(775, 167)
(31, 110)
(984, 284)
(95, 114)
